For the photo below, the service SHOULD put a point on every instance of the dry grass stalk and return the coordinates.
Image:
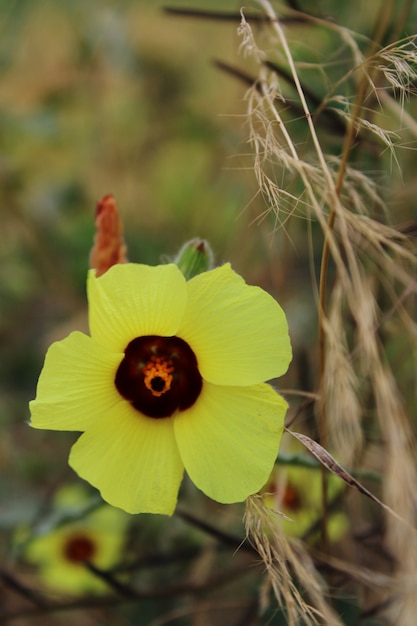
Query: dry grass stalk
(373, 262)
(297, 587)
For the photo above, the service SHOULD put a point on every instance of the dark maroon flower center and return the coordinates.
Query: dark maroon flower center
(291, 499)
(159, 375)
(79, 548)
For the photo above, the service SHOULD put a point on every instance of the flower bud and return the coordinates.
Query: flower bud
(194, 258)
(109, 246)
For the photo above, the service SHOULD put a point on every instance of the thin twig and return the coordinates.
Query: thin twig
(22, 590)
(92, 602)
(107, 577)
(213, 531)
(231, 16)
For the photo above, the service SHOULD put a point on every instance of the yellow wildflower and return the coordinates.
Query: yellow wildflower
(297, 492)
(61, 554)
(170, 378)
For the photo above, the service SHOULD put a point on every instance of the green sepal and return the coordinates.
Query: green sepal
(195, 257)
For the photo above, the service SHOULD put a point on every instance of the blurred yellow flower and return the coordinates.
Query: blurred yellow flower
(171, 377)
(297, 492)
(61, 554)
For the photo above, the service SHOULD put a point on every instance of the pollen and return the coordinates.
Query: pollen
(158, 375)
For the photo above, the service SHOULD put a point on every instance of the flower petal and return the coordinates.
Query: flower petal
(239, 333)
(109, 543)
(76, 384)
(229, 439)
(132, 459)
(74, 579)
(132, 300)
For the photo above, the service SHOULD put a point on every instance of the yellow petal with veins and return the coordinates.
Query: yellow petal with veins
(132, 300)
(132, 459)
(239, 333)
(229, 439)
(76, 384)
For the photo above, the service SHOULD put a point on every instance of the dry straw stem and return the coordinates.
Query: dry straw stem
(291, 575)
(352, 227)
(373, 262)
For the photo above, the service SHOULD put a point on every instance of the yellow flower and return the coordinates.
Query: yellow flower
(171, 377)
(61, 554)
(297, 492)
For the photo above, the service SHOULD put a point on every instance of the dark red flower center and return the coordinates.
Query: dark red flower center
(159, 375)
(79, 548)
(291, 499)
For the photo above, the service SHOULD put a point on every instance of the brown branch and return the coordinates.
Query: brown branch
(157, 560)
(249, 80)
(121, 589)
(326, 117)
(22, 590)
(232, 16)
(334, 122)
(222, 536)
(92, 602)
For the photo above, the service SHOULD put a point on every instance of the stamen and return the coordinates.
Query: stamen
(158, 375)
